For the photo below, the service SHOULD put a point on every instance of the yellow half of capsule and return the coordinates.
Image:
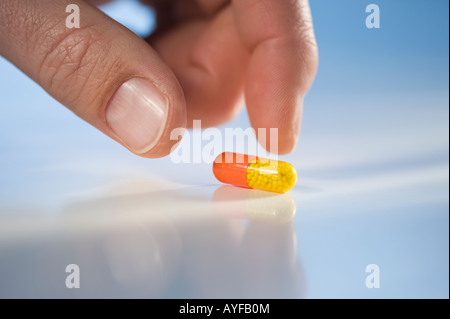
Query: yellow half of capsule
(271, 175)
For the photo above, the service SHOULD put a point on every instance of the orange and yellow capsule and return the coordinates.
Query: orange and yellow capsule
(254, 172)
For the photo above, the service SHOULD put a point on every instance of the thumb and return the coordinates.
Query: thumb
(101, 71)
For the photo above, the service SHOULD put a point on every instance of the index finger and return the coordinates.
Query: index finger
(282, 67)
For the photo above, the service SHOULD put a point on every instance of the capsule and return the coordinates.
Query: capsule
(254, 172)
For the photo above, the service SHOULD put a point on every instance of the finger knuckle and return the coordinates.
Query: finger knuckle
(75, 64)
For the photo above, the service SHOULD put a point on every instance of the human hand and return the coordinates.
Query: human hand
(203, 58)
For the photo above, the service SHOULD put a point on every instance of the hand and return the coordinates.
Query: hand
(204, 57)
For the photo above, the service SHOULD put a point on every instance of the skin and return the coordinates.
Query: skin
(206, 56)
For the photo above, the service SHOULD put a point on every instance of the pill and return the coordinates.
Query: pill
(254, 172)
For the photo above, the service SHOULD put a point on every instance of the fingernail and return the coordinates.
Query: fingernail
(137, 113)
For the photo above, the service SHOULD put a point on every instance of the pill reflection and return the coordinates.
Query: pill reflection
(249, 249)
(254, 204)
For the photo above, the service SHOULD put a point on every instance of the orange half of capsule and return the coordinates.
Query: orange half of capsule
(254, 172)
